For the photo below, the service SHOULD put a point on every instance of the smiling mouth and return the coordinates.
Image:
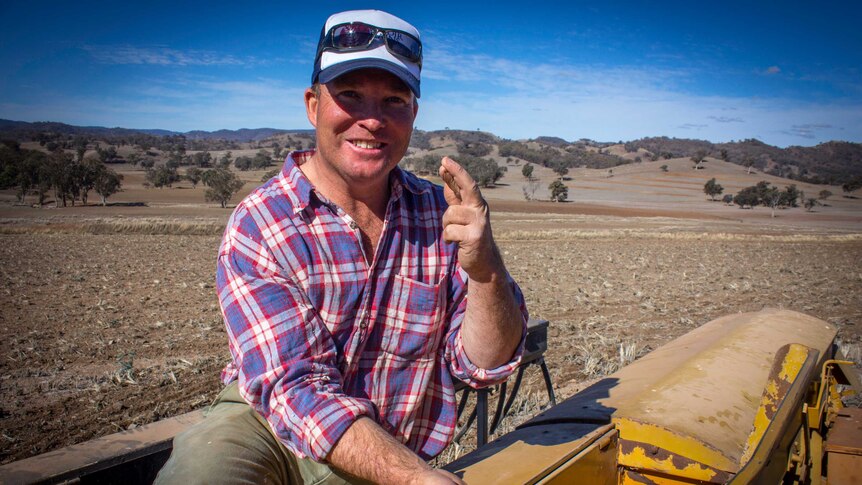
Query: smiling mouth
(367, 144)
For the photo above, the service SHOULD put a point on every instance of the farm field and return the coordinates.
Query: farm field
(109, 318)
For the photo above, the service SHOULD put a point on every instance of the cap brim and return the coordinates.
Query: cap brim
(332, 72)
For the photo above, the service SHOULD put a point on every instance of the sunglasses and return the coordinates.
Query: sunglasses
(358, 36)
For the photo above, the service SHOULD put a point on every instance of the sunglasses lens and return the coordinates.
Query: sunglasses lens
(352, 35)
(404, 45)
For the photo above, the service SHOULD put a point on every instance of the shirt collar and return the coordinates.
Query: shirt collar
(295, 184)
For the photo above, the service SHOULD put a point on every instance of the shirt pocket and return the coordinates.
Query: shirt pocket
(412, 325)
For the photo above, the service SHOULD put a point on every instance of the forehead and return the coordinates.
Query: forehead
(376, 78)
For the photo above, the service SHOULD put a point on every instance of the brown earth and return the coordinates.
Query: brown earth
(109, 318)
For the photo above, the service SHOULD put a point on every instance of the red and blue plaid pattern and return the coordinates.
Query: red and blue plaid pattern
(319, 337)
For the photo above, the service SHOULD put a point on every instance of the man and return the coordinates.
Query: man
(353, 291)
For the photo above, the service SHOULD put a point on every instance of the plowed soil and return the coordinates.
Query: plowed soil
(109, 317)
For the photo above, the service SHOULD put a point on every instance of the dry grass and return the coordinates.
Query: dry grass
(569, 234)
(151, 227)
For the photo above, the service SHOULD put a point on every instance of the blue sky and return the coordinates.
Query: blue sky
(787, 73)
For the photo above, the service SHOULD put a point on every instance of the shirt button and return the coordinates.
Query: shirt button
(353, 224)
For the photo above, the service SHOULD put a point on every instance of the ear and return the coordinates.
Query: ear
(415, 107)
(311, 102)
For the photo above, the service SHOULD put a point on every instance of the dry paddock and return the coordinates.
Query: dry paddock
(104, 331)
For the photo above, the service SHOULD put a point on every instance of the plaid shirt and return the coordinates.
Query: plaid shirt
(319, 337)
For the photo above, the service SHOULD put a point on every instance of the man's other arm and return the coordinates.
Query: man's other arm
(366, 451)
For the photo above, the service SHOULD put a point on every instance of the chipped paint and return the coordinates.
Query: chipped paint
(645, 456)
(679, 445)
(785, 368)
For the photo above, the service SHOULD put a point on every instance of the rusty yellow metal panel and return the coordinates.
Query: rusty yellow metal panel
(684, 412)
(785, 371)
(528, 455)
(771, 458)
(650, 447)
(596, 465)
(712, 397)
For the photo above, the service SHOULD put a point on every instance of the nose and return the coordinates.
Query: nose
(372, 117)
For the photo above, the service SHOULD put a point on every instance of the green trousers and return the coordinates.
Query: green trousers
(234, 444)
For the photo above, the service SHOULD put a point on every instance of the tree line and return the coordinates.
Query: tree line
(561, 160)
(58, 172)
(484, 171)
(764, 194)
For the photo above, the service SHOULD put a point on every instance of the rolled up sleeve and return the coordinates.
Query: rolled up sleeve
(459, 364)
(284, 357)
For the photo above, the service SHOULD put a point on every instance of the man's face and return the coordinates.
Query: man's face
(364, 120)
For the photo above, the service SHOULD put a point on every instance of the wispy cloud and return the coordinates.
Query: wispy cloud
(520, 99)
(808, 131)
(206, 105)
(772, 70)
(725, 119)
(164, 56)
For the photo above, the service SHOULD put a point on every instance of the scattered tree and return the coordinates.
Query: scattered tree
(791, 195)
(559, 191)
(162, 176)
(772, 198)
(202, 159)
(698, 159)
(663, 168)
(484, 171)
(223, 184)
(243, 163)
(62, 181)
(529, 189)
(194, 175)
(825, 194)
(727, 199)
(88, 173)
(811, 203)
(851, 186)
(134, 158)
(108, 183)
(262, 159)
(746, 197)
(527, 171)
(561, 170)
(712, 189)
(225, 160)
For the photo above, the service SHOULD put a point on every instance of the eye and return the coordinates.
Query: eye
(349, 94)
(400, 100)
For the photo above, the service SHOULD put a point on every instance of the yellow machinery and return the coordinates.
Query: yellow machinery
(747, 398)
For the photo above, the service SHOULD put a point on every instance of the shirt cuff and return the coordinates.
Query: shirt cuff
(478, 377)
(328, 422)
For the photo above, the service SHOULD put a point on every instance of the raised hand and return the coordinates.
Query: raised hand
(467, 221)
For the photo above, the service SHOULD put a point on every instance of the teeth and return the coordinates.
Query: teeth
(367, 144)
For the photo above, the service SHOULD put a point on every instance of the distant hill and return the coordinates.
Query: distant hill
(24, 131)
(834, 162)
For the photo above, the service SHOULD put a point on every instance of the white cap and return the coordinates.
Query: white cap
(331, 64)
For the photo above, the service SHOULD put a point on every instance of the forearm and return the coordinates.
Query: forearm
(368, 452)
(493, 321)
